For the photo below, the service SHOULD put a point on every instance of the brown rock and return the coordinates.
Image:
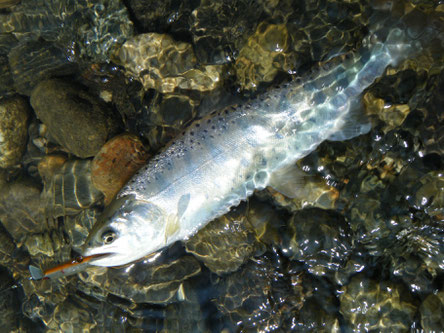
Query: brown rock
(116, 162)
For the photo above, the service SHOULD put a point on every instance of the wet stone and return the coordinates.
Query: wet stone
(77, 227)
(6, 82)
(166, 65)
(263, 56)
(20, 208)
(145, 282)
(8, 3)
(7, 247)
(184, 316)
(116, 162)
(9, 302)
(94, 27)
(382, 306)
(163, 15)
(14, 114)
(67, 186)
(35, 61)
(226, 243)
(75, 119)
(220, 29)
(259, 296)
(320, 239)
(431, 310)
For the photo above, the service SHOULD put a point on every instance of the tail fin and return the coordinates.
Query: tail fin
(407, 31)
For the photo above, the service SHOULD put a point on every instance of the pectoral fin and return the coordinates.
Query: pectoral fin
(356, 123)
(172, 226)
(183, 204)
(289, 181)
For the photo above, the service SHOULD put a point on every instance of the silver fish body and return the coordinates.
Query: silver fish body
(222, 158)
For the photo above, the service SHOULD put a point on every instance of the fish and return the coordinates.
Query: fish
(67, 268)
(222, 158)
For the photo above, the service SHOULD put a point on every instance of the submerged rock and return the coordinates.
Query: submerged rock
(68, 188)
(432, 310)
(116, 162)
(147, 281)
(264, 55)
(14, 114)
(225, 243)
(87, 29)
(320, 239)
(166, 65)
(383, 306)
(34, 61)
(259, 297)
(21, 211)
(75, 119)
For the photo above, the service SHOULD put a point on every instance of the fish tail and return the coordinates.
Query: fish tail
(407, 31)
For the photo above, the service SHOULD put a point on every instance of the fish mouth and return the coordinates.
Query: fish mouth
(91, 258)
(94, 257)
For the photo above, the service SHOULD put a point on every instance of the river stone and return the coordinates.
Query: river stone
(75, 119)
(14, 114)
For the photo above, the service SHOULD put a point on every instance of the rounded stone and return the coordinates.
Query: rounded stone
(380, 306)
(75, 119)
(14, 113)
(116, 162)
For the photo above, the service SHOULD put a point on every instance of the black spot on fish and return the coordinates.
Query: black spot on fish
(191, 133)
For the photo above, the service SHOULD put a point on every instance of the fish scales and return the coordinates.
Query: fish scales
(222, 158)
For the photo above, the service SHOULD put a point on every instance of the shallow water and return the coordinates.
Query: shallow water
(361, 246)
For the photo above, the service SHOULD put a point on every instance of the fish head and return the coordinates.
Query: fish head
(127, 230)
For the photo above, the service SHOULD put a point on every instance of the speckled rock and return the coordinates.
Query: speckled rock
(14, 113)
(75, 119)
(21, 211)
(166, 65)
(226, 243)
(116, 162)
(382, 306)
(68, 188)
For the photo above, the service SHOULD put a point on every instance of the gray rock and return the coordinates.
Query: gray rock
(14, 113)
(20, 210)
(75, 119)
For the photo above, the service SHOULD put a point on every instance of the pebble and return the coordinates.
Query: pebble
(14, 113)
(116, 162)
(78, 121)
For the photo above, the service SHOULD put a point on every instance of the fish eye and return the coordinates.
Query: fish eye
(108, 236)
